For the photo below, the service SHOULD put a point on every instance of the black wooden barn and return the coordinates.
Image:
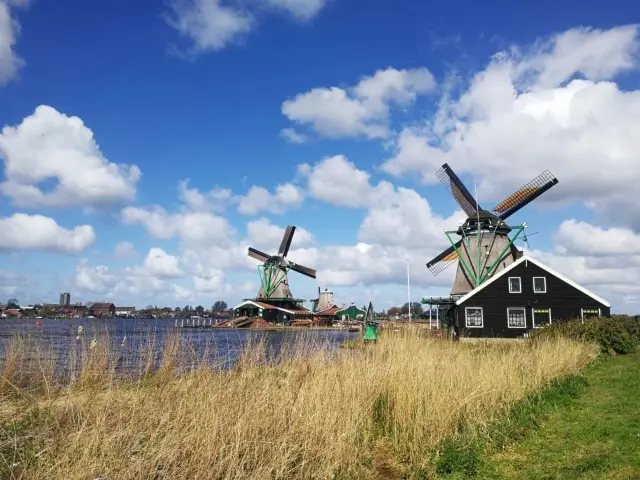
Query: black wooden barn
(525, 295)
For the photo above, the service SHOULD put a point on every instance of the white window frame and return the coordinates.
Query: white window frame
(533, 318)
(519, 281)
(466, 323)
(583, 309)
(545, 285)
(517, 308)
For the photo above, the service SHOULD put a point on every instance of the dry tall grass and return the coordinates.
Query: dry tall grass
(362, 414)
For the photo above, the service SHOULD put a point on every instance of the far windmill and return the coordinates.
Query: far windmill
(274, 302)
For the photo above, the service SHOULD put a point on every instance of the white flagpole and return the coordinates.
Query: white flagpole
(409, 290)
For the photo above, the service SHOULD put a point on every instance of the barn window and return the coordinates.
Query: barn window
(516, 317)
(541, 317)
(515, 285)
(590, 313)
(473, 317)
(539, 285)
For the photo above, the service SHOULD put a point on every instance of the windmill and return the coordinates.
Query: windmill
(274, 282)
(485, 247)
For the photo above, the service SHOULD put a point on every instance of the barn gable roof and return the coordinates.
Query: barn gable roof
(329, 311)
(527, 258)
(103, 306)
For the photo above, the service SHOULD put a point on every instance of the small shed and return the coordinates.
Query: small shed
(326, 316)
(352, 312)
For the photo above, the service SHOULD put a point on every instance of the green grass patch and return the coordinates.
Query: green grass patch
(595, 436)
(585, 427)
(352, 344)
(21, 441)
(464, 455)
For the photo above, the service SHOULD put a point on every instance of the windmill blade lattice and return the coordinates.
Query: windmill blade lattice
(287, 238)
(309, 272)
(258, 255)
(443, 261)
(460, 193)
(525, 194)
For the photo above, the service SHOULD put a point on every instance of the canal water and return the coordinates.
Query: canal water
(133, 342)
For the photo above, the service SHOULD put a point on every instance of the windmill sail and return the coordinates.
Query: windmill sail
(287, 238)
(309, 272)
(441, 262)
(460, 193)
(525, 195)
(258, 255)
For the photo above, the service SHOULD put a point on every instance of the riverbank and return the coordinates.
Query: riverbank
(378, 411)
(595, 435)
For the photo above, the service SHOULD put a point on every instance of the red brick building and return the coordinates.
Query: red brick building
(103, 310)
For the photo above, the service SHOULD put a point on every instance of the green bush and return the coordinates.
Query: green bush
(620, 335)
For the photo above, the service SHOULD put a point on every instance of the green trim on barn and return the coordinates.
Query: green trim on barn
(352, 312)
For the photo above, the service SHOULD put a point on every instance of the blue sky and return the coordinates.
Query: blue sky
(206, 91)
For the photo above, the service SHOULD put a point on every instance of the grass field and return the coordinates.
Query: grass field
(596, 436)
(377, 412)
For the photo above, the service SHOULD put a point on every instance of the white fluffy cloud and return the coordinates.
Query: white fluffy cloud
(125, 250)
(100, 281)
(36, 232)
(583, 239)
(258, 199)
(302, 10)
(395, 216)
(160, 264)
(262, 234)
(94, 279)
(398, 224)
(554, 106)
(49, 145)
(201, 228)
(293, 136)
(336, 181)
(215, 199)
(361, 110)
(212, 25)
(10, 62)
(209, 246)
(208, 24)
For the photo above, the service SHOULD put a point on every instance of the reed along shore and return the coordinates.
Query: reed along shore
(377, 411)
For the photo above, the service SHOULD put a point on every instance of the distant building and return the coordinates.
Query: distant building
(352, 312)
(327, 316)
(103, 310)
(65, 299)
(324, 300)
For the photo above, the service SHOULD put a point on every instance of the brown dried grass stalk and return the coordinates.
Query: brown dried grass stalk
(313, 414)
